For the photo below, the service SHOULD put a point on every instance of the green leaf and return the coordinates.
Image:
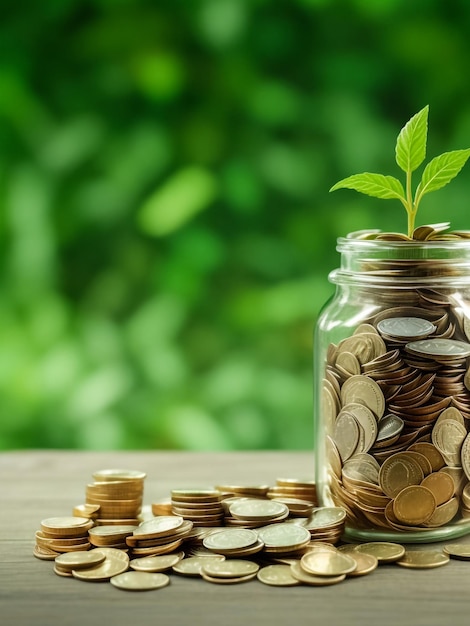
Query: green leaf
(410, 150)
(376, 185)
(441, 171)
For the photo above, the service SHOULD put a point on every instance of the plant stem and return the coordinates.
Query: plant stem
(409, 205)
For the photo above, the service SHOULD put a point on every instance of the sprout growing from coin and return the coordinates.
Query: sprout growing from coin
(410, 153)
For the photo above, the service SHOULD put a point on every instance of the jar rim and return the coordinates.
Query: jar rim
(353, 242)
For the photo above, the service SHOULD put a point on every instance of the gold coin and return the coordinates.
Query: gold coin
(227, 581)
(89, 511)
(79, 560)
(45, 554)
(252, 509)
(458, 551)
(277, 576)
(230, 568)
(465, 456)
(191, 566)
(71, 526)
(431, 453)
(423, 559)
(441, 485)
(118, 474)
(66, 573)
(366, 391)
(230, 539)
(283, 535)
(328, 563)
(383, 551)
(398, 471)
(104, 571)
(414, 505)
(346, 435)
(139, 581)
(312, 579)
(365, 563)
(158, 526)
(156, 563)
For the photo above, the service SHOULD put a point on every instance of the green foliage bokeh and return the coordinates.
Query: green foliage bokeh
(165, 223)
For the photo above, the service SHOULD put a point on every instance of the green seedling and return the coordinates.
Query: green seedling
(410, 153)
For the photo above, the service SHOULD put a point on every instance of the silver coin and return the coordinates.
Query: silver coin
(445, 348)
(403, 327)
(389, 426)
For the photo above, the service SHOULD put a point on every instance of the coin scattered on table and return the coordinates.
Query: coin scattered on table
(290, 551)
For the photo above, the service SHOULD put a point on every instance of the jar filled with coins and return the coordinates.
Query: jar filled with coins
(392, 386)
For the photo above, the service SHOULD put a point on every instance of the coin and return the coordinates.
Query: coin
(251, 509)
(79, 560)
(230, 568)
(458, 551)
(448, 437)
(414, 505)
(441, 485)
(70, 526)
(346, 435)
(230, 539)
(312, 579)
(465, 456)
(431, 453)
(423, 559)
(191, 566)
(227, 581)
(365, 563)
(366, 391)
(277, 576)
(118, 474)
(104, 571)
(139, 581)
(440, 348)
(328, 563)
(399, 471)
(389, 426)
(158, 526)
(406, 327)
(384, 552)
(283, 535)
(156, 563)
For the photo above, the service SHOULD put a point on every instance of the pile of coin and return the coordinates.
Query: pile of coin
(159, 535)
(299, 495)
(396, 399)
(118, 494)
(284, 551)
(429, 232)
(62, 534)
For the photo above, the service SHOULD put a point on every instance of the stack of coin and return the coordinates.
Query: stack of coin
(119, 494)
(326, 524)
(112, 536)
(201, 506)
(116, 562)
(304, 490)
(243, 491)
(62, 534)
(233, 542)
(160, 535)
(65, 563)
(253, 512)
(229, 571)
(284, 539)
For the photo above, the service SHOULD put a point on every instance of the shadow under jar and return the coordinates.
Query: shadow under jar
(392, 390)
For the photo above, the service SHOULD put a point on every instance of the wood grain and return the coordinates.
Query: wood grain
(40, 484)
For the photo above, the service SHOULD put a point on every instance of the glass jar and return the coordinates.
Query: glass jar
(392, 381)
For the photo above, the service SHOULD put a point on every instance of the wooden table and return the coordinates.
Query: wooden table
(37, 485)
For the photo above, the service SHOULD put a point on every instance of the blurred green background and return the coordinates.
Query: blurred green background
(165, 223)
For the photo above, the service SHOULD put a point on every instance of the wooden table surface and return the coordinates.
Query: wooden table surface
(40, 484)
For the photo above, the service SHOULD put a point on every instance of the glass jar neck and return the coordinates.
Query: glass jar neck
(403, 263)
